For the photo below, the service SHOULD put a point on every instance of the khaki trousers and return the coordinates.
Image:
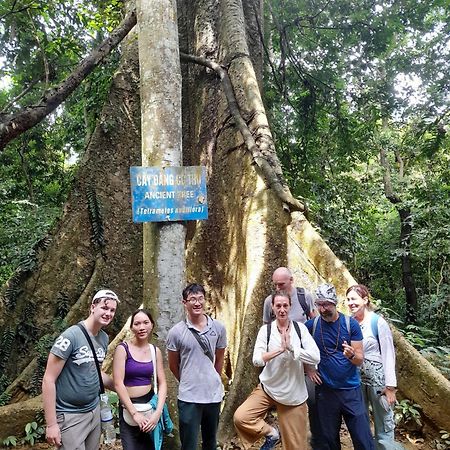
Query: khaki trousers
(80, 431)
(251, 426)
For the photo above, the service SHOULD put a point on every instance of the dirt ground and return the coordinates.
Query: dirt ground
(408, 442)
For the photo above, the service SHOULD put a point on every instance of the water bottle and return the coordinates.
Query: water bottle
(108, 430)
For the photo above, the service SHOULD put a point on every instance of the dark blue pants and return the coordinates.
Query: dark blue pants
(335, 404)
(316, 440)
(192, 416)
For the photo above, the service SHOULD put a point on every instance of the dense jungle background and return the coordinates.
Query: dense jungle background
(357, 98)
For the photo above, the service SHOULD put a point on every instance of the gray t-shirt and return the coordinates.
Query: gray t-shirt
(296, 313)
(78, 387)
(199, 381)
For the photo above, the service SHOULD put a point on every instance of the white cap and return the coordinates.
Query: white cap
(106, 293)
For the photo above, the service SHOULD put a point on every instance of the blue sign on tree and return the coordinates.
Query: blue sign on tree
(161, 194)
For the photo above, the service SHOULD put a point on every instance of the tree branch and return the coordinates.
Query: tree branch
(272, 179)
(41, 49)
(22, 94)
(13, 11)
(16, 124)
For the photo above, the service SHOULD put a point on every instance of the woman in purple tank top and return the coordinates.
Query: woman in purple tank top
(133, 371)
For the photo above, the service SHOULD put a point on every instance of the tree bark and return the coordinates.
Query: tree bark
(160, 89)
(406, 229)
(407, 273)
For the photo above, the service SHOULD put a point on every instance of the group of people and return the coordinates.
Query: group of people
(336, 364)
(71, 385)
(317, 364)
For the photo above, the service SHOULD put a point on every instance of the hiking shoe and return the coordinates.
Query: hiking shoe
(270, 442)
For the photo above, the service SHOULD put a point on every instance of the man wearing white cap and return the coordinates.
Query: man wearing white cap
(70, 387)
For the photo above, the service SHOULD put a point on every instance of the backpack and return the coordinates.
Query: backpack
(374, 326)
(297, 329)
(347, 324)
(301, 295)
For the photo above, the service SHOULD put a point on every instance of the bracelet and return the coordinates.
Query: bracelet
(132, 415)
(52, 425)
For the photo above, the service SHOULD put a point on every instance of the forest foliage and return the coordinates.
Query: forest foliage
(345, 81)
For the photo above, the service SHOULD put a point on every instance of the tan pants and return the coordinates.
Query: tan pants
(251, 426)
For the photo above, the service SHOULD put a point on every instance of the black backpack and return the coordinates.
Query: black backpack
(297, 329)
(301, 295)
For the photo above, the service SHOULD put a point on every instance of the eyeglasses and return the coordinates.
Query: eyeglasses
(325, 305)
(193, 300)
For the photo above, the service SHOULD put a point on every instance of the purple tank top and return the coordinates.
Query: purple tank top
(137, 373)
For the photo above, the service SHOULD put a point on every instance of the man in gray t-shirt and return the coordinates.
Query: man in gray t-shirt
(196, 350)
(284, 281)
(70, 387)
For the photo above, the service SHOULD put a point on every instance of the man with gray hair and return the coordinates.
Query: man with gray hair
(71, 385)
(338, 392)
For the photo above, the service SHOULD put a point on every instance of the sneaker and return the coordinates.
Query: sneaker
(270, 442)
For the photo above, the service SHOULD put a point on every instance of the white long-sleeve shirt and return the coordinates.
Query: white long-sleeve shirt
(283, 377)
(372, 351)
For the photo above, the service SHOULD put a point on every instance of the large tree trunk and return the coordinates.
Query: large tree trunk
(94, 245)
(249, 231)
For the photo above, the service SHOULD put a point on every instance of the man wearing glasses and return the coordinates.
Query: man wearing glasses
(196, 349)
(338, 392)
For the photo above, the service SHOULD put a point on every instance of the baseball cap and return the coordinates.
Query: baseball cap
(106, 293)
(326, 292)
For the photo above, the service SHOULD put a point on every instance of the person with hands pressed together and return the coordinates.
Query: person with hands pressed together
(378, 379)
(70, 386)
(281, 348)
(133, 372)
(338, 393)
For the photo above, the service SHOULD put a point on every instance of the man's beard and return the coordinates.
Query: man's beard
(327, 315)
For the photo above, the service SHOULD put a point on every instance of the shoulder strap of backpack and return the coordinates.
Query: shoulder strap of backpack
(269, 327)
(316, 320)
(297, 329)
(301, 295)
(374, 326)
(94, 355)
(347, 325)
